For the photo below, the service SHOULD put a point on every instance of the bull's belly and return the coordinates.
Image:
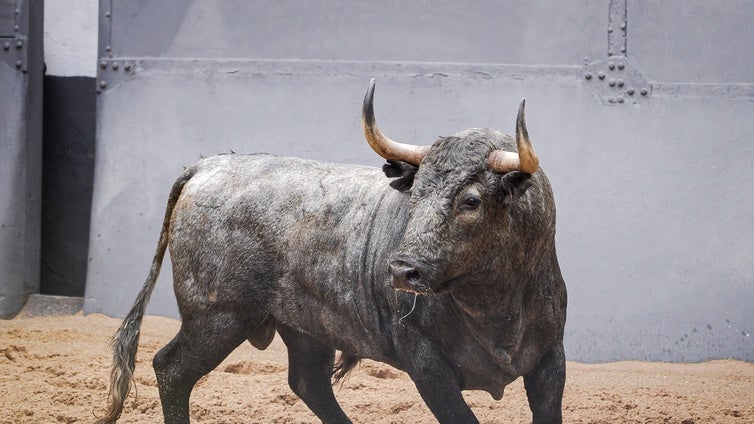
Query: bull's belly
(340, 319)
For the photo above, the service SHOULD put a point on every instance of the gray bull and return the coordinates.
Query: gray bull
(334, 257)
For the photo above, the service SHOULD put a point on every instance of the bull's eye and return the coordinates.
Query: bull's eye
(470, 203)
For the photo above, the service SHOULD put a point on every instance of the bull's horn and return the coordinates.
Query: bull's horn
(525, 160)
(384, 146)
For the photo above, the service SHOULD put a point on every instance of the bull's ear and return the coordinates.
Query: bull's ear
(513, 185)
(404, 173)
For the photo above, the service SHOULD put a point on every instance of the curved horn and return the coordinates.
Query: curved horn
(380, 143)
(525, 160)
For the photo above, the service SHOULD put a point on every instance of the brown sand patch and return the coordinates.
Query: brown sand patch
(54, 370)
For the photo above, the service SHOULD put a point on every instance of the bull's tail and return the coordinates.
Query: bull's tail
(125, 342)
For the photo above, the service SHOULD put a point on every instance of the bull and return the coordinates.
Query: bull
(442, 265)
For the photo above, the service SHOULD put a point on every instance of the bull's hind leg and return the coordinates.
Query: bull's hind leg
(310, 365)
(200, 345)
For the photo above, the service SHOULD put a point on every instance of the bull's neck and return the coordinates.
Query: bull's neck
(494, 313)
(496, 303)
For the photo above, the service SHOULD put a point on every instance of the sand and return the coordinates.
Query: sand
(55, 370)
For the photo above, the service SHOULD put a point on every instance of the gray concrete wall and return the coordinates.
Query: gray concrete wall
(70, 37)
(651, 169)
(20, 151)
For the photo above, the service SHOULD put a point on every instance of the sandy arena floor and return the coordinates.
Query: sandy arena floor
(54, 369)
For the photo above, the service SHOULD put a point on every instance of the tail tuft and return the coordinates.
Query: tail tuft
(343, 366)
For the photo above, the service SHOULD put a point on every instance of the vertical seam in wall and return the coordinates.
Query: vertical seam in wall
(106, 28)
(617, 28)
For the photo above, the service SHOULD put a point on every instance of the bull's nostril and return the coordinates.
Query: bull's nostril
(413, 276)
(404, 275)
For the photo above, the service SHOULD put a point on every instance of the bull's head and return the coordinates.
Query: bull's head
(461, 189)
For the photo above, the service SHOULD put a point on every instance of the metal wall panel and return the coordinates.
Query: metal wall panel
(708, 41)
(650, 176)
(17, 278)
(20, 153)
(426, 30)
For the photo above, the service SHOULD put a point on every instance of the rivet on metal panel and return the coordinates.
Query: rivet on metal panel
(115, 66)
(103, 84)
(19, 44)
(644, 92)
(127, 67)
(107, 14)
(616, 84)
(18, 11)
(103, 64)
(623, 49)
(620, 100)
(610, 65)
(610, 29)
(610, 52)
(19, 64)
(15, 28)
(623, 25)
(107, 48)
(6, 46)
(588, 76)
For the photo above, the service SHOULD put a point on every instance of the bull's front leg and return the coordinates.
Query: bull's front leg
(444, 399)
(439, 387)
(544, 387)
